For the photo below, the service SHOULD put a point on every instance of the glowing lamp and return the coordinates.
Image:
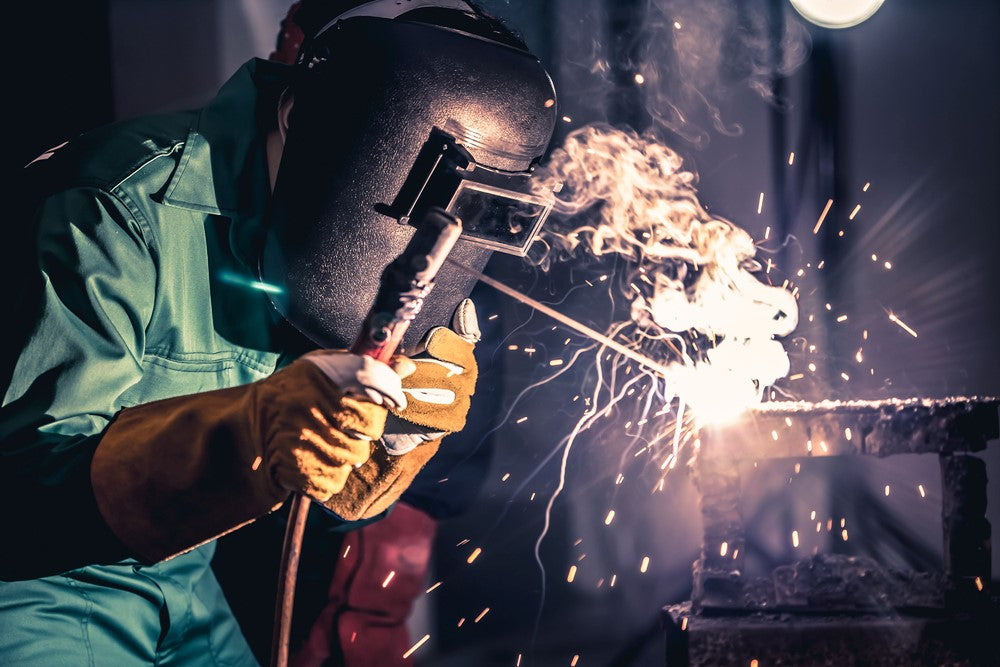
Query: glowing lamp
(836, 13)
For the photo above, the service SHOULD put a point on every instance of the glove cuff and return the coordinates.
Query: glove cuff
(171, 475)
(379, 482)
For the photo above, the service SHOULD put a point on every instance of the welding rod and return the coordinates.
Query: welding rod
(579, 327)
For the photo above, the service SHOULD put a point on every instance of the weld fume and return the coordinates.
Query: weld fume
(691, 275)
(696, 53)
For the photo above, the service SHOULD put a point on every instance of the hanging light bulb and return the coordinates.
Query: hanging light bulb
(836, 13)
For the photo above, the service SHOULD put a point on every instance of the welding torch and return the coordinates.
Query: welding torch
(404, 285)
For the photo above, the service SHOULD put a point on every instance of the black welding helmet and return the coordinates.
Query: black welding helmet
(401, 105)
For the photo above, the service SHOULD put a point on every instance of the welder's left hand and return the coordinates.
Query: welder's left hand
(438, 394)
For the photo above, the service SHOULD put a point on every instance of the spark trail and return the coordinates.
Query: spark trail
(701, 326)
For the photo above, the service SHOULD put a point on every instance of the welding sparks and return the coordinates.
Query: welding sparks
(474, 555)
(901, 324)
(703, 327)
(791, 158)
(572, 574)
(657, 221)
(920, 488)
(385, 583)
(413, 648)
(481, 614)
(795, 539)
(822, 216)
(609, 518)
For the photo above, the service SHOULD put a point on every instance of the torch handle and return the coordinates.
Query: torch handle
(405, 284)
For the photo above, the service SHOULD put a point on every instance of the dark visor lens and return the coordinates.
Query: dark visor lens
(500, 219)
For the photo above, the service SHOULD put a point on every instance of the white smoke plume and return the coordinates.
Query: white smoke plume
(696, 54)
(694, 301)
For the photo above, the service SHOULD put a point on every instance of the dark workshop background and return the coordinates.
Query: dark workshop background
(908, 102)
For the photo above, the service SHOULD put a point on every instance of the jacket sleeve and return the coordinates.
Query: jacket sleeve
(85, 293)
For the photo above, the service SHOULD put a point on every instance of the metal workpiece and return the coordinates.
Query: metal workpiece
(789, 429)
(835, 606)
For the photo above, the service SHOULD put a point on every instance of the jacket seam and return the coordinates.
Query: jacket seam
(188, 359)
(137, 217)
(85, 621)
(163, 362)
(145, 161)
(145, 233)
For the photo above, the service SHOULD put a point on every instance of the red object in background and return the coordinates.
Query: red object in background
(364, 618)
(289, 39)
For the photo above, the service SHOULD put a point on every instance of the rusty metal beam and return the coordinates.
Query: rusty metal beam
(874, 428)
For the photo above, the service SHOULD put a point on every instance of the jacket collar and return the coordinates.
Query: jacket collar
(222, 168)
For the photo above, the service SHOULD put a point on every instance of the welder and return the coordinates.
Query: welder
(165, 276)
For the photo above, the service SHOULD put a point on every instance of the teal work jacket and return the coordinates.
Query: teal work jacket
(130, 279)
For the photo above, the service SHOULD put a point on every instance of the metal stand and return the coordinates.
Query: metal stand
(838, 609)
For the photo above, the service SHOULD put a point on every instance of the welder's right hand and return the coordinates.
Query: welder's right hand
(439, 390)
(313, 441)
(173, 474)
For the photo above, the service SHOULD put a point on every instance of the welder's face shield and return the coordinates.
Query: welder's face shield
(498, 209)
(391, 118)
(499, 219)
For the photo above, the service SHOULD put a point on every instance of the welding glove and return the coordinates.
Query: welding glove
(438, 395)
(176, 473)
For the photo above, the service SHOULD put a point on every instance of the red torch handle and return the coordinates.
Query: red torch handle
(405, 284)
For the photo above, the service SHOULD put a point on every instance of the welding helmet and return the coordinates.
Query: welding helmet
(400, 106)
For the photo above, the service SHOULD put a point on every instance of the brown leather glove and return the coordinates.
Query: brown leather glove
(438, 395)
(173, 474)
